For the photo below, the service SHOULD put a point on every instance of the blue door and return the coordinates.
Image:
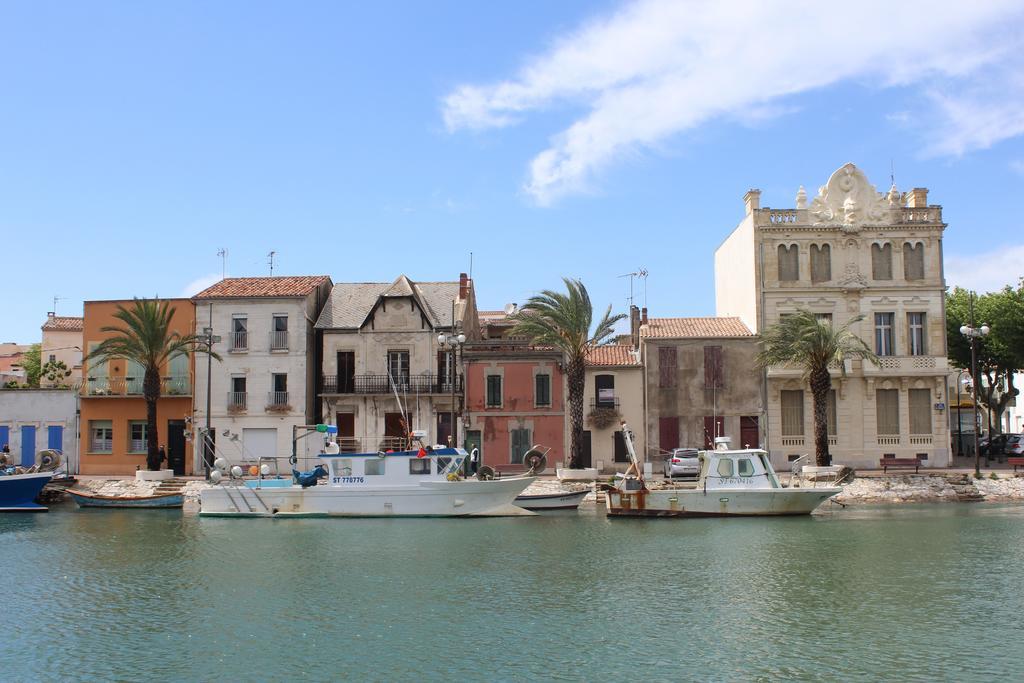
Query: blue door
(5, 436)
(55, 437)
(28, 446)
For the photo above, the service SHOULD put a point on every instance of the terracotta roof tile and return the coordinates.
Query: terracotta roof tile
(64, 322)
(263, 287)
(710, 327)
(613, 354)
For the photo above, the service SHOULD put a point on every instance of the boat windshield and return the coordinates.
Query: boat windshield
(447, 464)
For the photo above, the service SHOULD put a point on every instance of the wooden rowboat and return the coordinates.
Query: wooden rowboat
(160, 500)
(561, 500)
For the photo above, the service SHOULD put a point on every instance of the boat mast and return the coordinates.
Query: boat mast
(627, 437)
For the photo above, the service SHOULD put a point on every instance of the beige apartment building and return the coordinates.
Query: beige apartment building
(62, 342)
(850, 251)
(614, 392)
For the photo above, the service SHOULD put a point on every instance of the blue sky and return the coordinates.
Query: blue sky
(361, 140)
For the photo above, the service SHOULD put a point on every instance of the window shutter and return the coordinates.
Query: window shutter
(667, 366)
(713, 367)
(668, 433)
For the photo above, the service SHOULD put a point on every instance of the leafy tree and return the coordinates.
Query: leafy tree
(55, 372)
(564, 321)
(1000, 354)
(31, 364)
(145, 336)
(813, 344)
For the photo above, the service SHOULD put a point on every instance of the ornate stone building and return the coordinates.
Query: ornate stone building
(851, 251)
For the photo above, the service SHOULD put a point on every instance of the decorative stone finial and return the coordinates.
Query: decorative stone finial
(801, 198)
(895, 198)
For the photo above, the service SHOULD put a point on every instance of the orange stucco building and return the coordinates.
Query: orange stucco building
(113, 420)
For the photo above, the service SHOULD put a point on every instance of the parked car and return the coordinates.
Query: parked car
(1014, 445)
(992, 445)
(682, 463)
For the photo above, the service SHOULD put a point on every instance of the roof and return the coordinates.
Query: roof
(264, 287)
(613, 354)
(674, 328)
(351, 302)
(64, 322)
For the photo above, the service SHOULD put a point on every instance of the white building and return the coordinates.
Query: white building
(62, 342)
(35, 419)
(265, 382)
(381, 358)
(851, 251)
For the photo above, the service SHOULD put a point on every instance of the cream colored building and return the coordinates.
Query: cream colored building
(851, 251)
(614, 391)
(62, 341)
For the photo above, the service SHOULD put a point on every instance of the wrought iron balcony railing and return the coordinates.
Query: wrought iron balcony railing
(278, 401)
(237, 401)
(382, 384)
(279, 340)
(238, 341)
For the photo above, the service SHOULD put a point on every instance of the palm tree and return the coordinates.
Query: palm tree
(810, 342)
(145, 336)
(563, 321)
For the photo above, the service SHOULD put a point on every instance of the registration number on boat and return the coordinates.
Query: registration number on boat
(348, 480)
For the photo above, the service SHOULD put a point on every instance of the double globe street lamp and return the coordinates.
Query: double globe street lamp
(973, 334)
(452, 343)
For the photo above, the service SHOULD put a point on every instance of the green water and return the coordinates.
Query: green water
(914, 593)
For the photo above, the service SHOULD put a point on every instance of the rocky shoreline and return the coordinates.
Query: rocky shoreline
(889, 489)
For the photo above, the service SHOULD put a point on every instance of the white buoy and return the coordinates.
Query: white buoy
(264, 469)
(215, 476)
(220, 464)
(236, 471)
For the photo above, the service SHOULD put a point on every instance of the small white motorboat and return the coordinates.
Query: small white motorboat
(730, 483)
(559, 500)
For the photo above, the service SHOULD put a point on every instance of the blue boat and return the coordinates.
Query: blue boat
(160, 500)
(18, 491)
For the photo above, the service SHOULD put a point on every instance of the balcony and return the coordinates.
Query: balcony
(238, 401)
(605, 403)
(381, 384)
(279, 340)
(277, 402)
(133, 386)
(238, 342)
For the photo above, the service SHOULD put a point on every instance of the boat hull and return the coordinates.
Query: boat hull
(566, 500)
(172, 500)
(18, 491)
(467, 498)
(717, 503)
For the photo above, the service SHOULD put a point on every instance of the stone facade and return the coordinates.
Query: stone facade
(851, 251)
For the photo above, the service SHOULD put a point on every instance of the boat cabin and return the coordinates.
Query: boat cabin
(742, 469)
(397, 468)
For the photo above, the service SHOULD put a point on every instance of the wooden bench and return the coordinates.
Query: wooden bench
(900, 463)
(1016, 462)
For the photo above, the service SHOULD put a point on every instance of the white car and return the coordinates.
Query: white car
(682, 463)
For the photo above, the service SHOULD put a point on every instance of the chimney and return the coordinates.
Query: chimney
(752, 199)
(463, 286)
(634, 326)
(643, 315)
(50, 314)
(917, 198)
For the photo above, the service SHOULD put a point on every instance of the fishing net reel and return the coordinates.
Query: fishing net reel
(536, 460)
(485, 473)
(49, 460)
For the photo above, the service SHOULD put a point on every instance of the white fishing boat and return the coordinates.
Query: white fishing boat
(559, 500)
(422, 482)
(731, 483)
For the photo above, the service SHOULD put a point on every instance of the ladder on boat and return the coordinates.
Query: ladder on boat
(243, 490)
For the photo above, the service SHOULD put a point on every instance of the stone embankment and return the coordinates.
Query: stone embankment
(930, 488)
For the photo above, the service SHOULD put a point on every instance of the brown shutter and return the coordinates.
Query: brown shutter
(713, 367)
(668, 433)
(666, 366)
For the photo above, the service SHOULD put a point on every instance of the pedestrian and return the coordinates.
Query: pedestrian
(474, 461)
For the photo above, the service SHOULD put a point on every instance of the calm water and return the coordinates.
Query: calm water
(916, 593)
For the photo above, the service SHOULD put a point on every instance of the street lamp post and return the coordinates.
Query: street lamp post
(974, 334)
(959, 422)
(211, 339)
(452, 343)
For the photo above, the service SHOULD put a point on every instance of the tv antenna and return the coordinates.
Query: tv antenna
(223, 253)
(55, 300)
(270, 260)
(639, 273)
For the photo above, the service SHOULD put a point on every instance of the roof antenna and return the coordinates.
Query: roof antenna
(638, 273)
(270, 260)
(55, 300)
(223, 253)
(892, 172)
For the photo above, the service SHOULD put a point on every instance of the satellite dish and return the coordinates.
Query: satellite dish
(49, 460)
(485, 473)
(535, 460)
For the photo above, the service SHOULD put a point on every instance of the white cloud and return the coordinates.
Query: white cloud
(656, 68)
(986, 272)
(199, 284)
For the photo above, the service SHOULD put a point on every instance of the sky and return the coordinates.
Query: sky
(526, 140)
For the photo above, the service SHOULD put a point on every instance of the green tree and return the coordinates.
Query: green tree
(31, 363)
(1000, 354)
(55, 372)
(805, 341)
(564, 321)
(145, 336)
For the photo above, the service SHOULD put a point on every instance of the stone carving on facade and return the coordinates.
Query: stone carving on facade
(852, 278)
(849, 201)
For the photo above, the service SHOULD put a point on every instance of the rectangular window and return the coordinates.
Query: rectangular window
(821, 263)
(789, 263)
(53, 358)
(604, 391)
(398, 367)
(279, 332)
(883, 334)
(419, 465)
(237, 397)
(279, 395)
(713, 367)
(831, 413)
(542, 390)
(913, 261)
(666, 367)
(881, 262)
(887, 407)
(493, 391)
(520, 439)
(137, 442)
(792, 412)
(668, 433)
(920, 401)
(239, 333)
(620, 454)
(916, 333)
(374, 466)
(101, 436)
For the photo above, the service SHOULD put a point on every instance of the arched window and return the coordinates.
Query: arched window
(821, 263)
(913, 261)
(789, 263)
(881, 262)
